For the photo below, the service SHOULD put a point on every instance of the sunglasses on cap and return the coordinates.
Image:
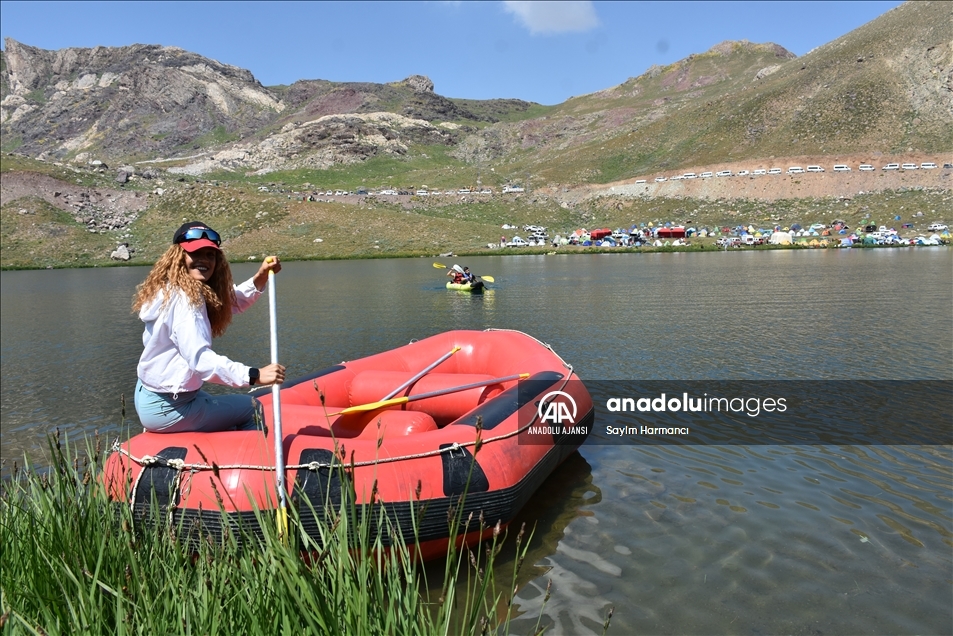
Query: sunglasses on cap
(195, 233)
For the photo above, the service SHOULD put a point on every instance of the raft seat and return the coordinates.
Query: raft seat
(300, 419)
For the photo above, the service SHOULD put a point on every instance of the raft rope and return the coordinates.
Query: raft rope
(181, 465)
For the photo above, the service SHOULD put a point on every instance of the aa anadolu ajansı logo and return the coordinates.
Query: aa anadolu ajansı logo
(554, 415)
(557, 412)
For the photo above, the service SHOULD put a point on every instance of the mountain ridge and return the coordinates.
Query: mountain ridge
(886, 86)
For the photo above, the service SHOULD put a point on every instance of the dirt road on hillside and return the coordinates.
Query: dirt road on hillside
(783, 186)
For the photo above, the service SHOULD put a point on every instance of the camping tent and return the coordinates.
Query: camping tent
(671, 232)
(781, 238)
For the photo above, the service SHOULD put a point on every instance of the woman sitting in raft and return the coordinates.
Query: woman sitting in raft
(186, 299)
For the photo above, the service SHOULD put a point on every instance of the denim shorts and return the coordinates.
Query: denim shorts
(197, 411)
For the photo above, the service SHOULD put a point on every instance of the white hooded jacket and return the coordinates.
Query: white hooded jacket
(177, 355)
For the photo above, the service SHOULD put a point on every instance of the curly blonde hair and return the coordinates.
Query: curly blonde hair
(170, 271)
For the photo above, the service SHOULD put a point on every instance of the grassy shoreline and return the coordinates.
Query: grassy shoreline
(75, 562)
(707, 247)
(36, 234)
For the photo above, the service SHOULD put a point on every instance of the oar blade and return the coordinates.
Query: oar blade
(440, 266)
(488, 279)
(372, 406)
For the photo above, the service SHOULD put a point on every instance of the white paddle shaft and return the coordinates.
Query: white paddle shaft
(276, 394)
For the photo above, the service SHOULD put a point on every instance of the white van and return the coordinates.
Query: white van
(866, 167)
(929, 165)
(815, 169)
(659, 179)
(759, 172)
(705, 175)
(723, 173)
(774, 171)
(689, 175)
(909, 166)
(638, 181)
(892, 166)
(795, 170)
(743, 173)
(840, 167)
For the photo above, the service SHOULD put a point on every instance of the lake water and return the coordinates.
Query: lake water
(697, 539)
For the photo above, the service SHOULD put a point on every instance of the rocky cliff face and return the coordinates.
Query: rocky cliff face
(146, 102)
(142, 100)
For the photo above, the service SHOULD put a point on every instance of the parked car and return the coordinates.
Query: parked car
(516, 242)
(815, 169)
(937, 227)
(659, 179)
(638, 181)
(909, 166)
(729, 241)
(947, 166)
(928, 165)
(422, 193)
(774, 171)
(705, 175)
(892, 166)
(865, 167)
(743, 173)
(759, 172)
(723, 173)
(795, 170)
(840, 167)
(689, 175)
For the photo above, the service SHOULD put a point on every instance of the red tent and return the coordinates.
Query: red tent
(597, 235)
(671, 232)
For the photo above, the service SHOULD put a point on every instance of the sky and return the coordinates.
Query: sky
(543, 52)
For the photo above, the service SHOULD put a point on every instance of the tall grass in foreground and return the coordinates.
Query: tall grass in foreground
(72, 562)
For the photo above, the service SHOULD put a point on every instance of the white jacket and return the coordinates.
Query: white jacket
(177, 341)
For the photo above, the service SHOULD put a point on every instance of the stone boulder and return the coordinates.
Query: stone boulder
(420, 83)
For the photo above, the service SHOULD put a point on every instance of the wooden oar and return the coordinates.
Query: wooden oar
(373, 406)
(421, 374)
(281, 513)
(488, 279)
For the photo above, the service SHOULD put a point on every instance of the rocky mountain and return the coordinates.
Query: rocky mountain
(132, 102)
(887, 86)
(145, 101)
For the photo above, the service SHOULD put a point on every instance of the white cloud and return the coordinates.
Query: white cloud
(554, 17)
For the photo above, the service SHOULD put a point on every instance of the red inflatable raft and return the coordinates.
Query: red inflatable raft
(495, 442)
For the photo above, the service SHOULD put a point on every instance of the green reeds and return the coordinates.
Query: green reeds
(75, 562)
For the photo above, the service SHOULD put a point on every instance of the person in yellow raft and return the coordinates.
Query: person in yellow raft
(187, 299)
(458, 275)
